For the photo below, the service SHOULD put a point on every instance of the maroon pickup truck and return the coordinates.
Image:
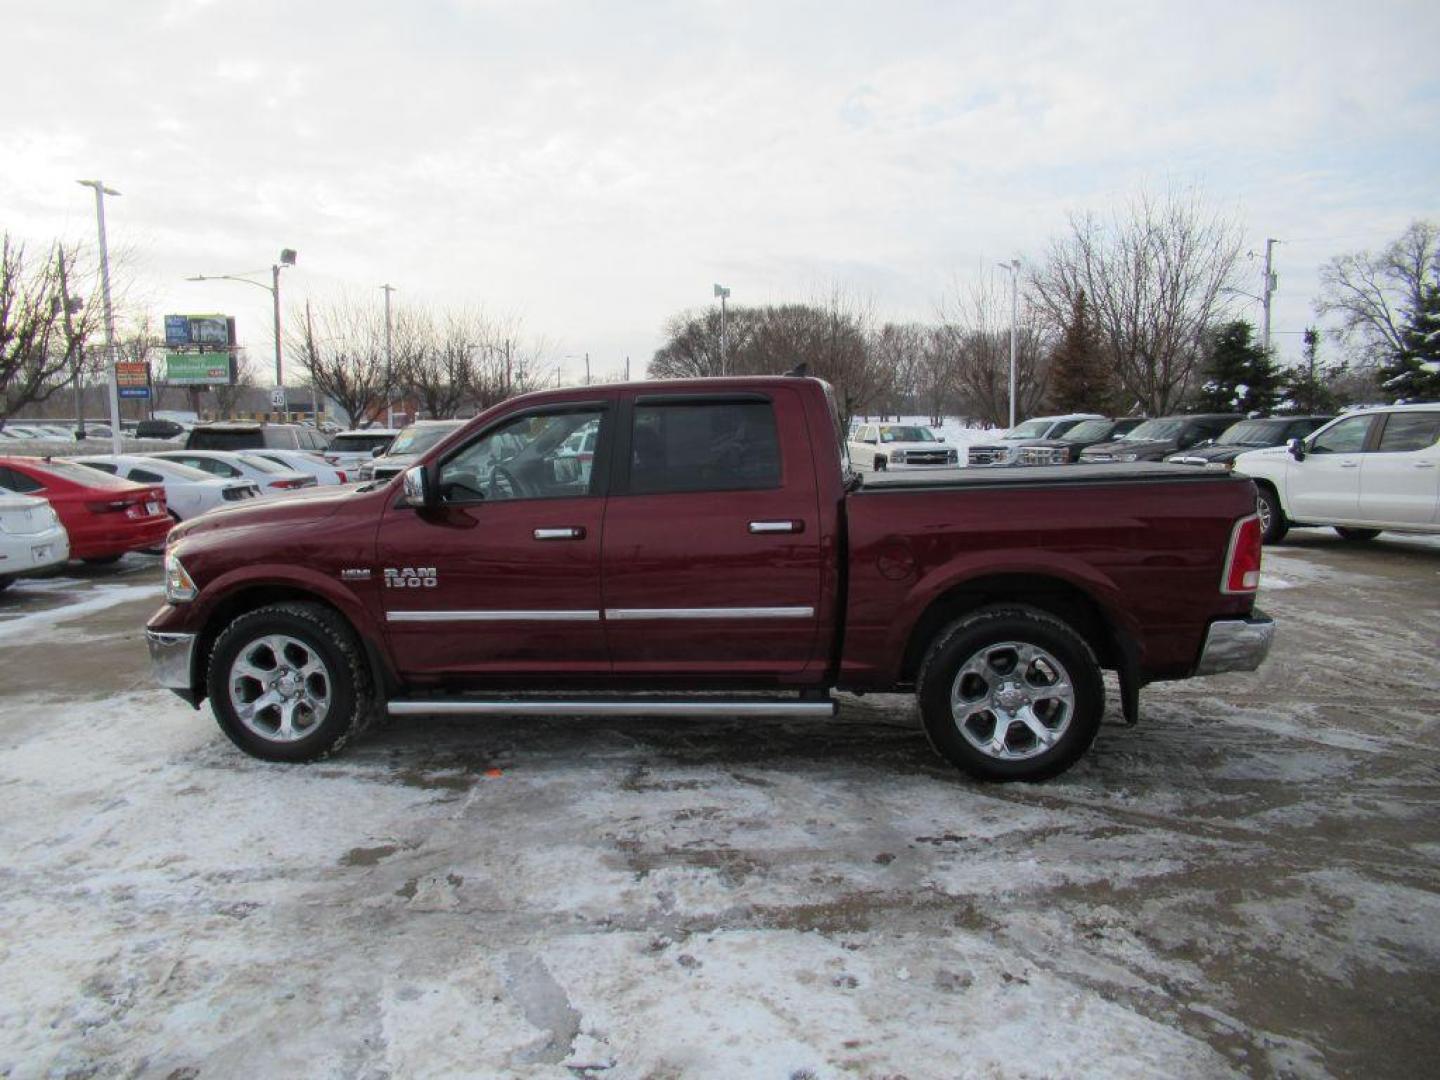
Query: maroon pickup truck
(709, 552)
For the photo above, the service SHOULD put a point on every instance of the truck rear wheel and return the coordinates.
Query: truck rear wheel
(1010, 693)
(1356, 535)
(289, 682)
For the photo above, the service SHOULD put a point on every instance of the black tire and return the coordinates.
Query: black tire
(6, 582)
(101, 560)
(348, 688)
(966, 642)
(1273, 523)
(881, 464)
(1356, 535)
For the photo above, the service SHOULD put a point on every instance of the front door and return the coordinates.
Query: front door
(503, 577)
(1326, 485)
(712, 556)
(1400, 479)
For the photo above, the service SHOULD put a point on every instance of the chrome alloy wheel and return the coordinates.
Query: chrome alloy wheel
(279, 688)
(1012, 701)
(1262, 507)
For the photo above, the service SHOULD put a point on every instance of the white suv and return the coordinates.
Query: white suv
(1362, 473)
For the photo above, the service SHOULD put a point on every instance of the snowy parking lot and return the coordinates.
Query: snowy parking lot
(1247, 883)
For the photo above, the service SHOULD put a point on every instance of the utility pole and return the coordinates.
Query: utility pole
(100, 192)
(389, 358)
(1267, 291)
(627, 369)
(587, 369)
(76, 356)
(1014, 267)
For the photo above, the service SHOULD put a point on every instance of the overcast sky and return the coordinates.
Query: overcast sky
(596, 167)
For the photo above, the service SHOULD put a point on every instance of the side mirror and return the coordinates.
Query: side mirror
(379, 451)
(940, 439)
(1296, 448)
(418, 489)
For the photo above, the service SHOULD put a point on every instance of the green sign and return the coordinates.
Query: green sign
(197, 369)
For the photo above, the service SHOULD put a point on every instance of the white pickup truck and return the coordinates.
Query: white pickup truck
(1362, 473)
(880, 447)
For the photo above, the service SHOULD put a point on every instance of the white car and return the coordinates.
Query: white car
(188, 491)
(349, 449)
(31, 537)
(301, 461)
(272, 479)
(880, 447)
(1362, 473)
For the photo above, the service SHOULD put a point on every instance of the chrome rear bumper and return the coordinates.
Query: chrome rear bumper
(170, 659)
(1236, 644)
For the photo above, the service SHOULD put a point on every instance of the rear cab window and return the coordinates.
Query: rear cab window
(715, 445)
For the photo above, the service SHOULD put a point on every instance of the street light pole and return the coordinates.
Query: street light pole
(100, 192)
(724, 294)
(389, 359)
(1014, 267)
(287, 258)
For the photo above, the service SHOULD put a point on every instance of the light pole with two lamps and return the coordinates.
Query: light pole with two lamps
(724, 294)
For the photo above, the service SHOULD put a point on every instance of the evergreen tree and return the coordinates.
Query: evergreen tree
(1080, 380)
(1414, 372)
(1308, 386)
(1240, 376)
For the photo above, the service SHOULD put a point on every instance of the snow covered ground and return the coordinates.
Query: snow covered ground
(1246, 884)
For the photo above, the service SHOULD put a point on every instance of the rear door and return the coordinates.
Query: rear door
(712, 561)
(503, 577)
(1400, 478)
(1325, 486)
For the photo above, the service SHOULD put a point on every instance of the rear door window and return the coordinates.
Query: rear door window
(1407, 432)
(707, 446)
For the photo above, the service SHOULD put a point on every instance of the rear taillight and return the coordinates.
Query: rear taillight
(331, 459)
(109, 506)
(1242, 564)
(286, 485)
(341, 473)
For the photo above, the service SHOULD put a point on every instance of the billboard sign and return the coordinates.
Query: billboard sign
(132, 378)
(197, 369)
(183, 330)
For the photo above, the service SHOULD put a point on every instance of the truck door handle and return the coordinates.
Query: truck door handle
(566, 532)
(1349, 464)
(1424, 464)
(777, 526)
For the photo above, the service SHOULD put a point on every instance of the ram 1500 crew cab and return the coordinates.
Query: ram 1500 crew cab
(718, 556)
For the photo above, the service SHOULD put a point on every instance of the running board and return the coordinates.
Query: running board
(640, 706)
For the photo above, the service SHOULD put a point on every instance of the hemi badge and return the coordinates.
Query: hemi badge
(355, 574)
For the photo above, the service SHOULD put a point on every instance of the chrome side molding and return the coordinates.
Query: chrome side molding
(640, 706)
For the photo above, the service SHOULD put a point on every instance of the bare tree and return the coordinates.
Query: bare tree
(341, 346)
(39, 346)
(229, 395)
(935, 374)
(899, 350)
(452, 364)
(1156, 275)
(977, 321)
(1375, 294)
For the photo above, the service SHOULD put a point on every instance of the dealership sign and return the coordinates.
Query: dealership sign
(132, 377)
(198, 369)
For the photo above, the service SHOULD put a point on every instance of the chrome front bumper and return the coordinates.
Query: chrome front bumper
(1236, 645)
(170, 659)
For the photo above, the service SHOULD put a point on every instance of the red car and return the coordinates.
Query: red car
(104, 515)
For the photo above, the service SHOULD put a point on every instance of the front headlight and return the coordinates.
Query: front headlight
(897, 457)
(179, 589)
(1125, 457)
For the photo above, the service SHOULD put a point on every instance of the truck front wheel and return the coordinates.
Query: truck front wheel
(1010, 693)
(1273, 524)
(289, 682)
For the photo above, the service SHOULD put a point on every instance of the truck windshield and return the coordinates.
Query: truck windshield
(1253, 433)
(906, 434)
(1030, 429)
(1088, 430)
(417, 439)
(1154, 429)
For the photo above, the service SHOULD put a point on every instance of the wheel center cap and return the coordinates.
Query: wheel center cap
(1010, 697)
(288, 683)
